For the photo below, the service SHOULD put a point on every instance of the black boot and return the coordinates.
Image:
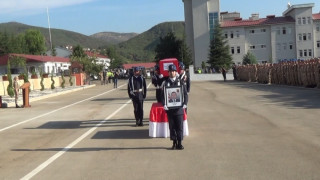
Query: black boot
(141, 123)
(179, 146)
(137, 122)
(174, 145)
(17, 106)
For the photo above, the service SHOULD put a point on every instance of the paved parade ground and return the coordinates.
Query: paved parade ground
(238, 130)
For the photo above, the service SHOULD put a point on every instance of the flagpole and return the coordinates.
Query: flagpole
(49, 29)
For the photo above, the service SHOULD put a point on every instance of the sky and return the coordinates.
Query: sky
(124, 16)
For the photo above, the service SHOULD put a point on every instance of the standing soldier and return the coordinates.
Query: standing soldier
(157, 80)
(175, 115)
(184, 78)
(137, 91)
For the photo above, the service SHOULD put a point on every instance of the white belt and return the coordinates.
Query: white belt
(139, 90)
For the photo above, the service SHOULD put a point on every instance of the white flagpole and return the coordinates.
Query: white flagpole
(49, 28)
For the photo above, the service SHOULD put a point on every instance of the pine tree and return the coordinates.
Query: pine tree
(219, 55)
(249, 58)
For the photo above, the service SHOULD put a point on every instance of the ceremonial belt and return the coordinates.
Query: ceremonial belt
(139, 90)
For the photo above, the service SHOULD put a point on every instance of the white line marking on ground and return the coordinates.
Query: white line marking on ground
(67, 148)
(31, 119)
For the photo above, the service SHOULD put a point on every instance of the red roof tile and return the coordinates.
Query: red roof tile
(146, 65)
(316, 16)
(262, 21)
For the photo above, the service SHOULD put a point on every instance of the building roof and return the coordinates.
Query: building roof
(33, 58)
(146, 65)
(316, 16)
(91, 54)
(263, 21)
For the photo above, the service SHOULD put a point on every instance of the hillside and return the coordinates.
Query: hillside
(59, 37)
(141, 48)
(113, 37)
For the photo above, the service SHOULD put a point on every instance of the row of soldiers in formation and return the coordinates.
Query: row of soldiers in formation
(304, 73)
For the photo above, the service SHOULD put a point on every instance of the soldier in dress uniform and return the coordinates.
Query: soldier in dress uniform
(137, 91)
(175, 115)
(184, 77)
(157, 80)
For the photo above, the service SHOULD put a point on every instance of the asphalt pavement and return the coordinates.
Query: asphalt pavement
(237, 130)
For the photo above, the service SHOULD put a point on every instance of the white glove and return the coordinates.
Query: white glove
(131, 92)
(165, 107)
(161, 76)
(177, 74)
(184, 106)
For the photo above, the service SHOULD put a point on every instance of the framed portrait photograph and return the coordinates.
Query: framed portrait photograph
(173, 97)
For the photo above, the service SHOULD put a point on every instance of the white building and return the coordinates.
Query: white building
(295, 35)
(48, 64)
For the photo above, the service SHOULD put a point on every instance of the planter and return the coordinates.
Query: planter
(45, 75)
(4, 78)
(21, 77)
(34, 77)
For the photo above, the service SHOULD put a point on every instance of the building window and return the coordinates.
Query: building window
(318, 28)
(290, 46)
(305, 53)
(309, 20)
(252, 31)
(213, 17)
(284, 30)
(232, 50)
(304, 37)
(263, 30)
(238, 49)
(303, 20)
(226, 35)
(252, 47)
(300, 37)
(301, 53)
(310, 52)
(231, 34)
(299, 20)
(318, 44)
(309, 36)
(263, 46)
(237, 34)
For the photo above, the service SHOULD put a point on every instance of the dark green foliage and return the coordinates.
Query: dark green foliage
(35, 42)
(219, 55)
(70, 80)
(168, 47)
(10, 89)
(53, 51)
(52, 80)
(63, 81)
(249, 58)
(41, 82)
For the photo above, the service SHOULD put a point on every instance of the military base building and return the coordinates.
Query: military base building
(292, 36)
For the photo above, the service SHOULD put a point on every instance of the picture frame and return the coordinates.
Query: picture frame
(174, 97)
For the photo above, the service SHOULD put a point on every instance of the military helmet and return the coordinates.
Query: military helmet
(136, 69)
(172, 67)
(181, 65)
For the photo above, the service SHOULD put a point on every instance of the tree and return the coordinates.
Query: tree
(186, 56)
(35, 42)
(10, 89)
(89, 64)
(219, 55)
(53, 51)
(168, 47)
(249, 58)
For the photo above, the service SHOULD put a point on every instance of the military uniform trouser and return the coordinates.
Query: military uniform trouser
(158, 95)
(138, 110)
(176, 127)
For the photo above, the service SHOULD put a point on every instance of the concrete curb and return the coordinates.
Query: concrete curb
(12, 104)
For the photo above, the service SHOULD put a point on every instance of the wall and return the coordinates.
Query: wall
(35, 83)
(208, 77)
